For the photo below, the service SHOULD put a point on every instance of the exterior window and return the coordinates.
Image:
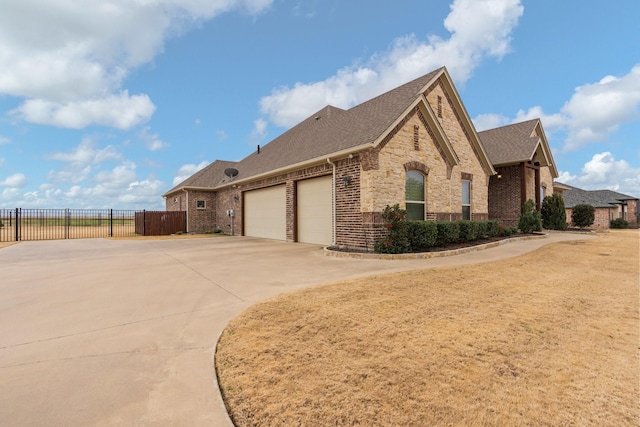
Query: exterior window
(466, 200)
(543, 190)
(201, 204)
(414, 194)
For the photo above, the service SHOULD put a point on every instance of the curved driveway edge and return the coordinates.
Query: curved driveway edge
(122, 332)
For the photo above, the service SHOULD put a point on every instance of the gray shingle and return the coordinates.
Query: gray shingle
(510, 144)
(332, 130)
(596, 198)
(207, 177)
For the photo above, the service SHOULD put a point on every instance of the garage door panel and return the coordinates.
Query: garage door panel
(265, 213)
(315, 210)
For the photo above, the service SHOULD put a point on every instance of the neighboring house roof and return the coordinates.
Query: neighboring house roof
(596, 198)
(213, 173)
(335, 132)
(517, 143)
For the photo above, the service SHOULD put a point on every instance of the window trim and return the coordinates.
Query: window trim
(422, 202)
(204, 204)
(463, 204)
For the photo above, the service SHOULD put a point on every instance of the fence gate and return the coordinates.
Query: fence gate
(160, 223)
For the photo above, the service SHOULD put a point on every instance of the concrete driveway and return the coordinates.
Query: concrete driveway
(122, 332)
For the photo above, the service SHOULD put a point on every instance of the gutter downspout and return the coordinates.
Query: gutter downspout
(333, 201)
(187, 207)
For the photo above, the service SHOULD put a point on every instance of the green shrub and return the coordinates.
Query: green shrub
(492, 228)
(504, 231)
(583, 215)
(468, 231)
(217, 230)
(397, 239)
(448, 232)
(619, 223)
(482, 229)
(422, 234)
(530, 220)
(554, 217)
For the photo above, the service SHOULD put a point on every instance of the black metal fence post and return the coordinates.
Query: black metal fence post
(110, 222)
(144, 222)
(17, 225)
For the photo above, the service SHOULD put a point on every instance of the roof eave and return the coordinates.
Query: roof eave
(316, 160)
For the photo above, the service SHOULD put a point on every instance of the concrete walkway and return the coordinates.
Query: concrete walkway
(122, 332)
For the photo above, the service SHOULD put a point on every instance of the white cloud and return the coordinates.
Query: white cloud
(67, 56)
(117, 188)
(490, 121)
(120, 111)
(187, 170)
(594, 111)
(479, 29)
(221, 135)
(86, 153)
(259, 130)
(4, 140)
(17, 180)
(604, 172)
(151, 140)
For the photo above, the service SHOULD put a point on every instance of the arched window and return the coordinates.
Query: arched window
(415, 195)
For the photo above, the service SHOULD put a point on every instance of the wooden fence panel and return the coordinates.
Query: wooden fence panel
(160, 223)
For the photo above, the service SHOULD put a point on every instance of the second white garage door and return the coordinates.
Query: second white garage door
(265, 213)
(315, 211)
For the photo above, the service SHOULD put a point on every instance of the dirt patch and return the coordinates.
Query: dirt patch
(548, 338)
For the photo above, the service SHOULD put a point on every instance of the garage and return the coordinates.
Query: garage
(315, 210)
(265, 213)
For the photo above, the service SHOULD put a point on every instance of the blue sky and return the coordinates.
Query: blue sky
(110, 103)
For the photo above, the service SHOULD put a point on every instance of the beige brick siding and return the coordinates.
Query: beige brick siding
(383, 177)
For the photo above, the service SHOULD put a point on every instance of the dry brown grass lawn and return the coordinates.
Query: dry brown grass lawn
(548, 338)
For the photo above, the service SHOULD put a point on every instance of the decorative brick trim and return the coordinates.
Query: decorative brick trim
(467, 176)
(416, 166)
(433, 138)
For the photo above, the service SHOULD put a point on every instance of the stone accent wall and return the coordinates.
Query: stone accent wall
(468, 155)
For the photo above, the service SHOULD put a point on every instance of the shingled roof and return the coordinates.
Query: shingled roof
(596, 198)
(330, 132)
(207, 177)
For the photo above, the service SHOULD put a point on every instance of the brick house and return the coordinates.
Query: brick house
(327, 179)
(525, 169)
(608, 205)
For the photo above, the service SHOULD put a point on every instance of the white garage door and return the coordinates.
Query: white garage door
(315, 211)
(265, 213)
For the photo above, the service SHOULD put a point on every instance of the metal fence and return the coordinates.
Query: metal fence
(51, 224)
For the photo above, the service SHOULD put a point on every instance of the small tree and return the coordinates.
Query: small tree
(397, 239)
(554, 216)
(583, 215)
(530, 218)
